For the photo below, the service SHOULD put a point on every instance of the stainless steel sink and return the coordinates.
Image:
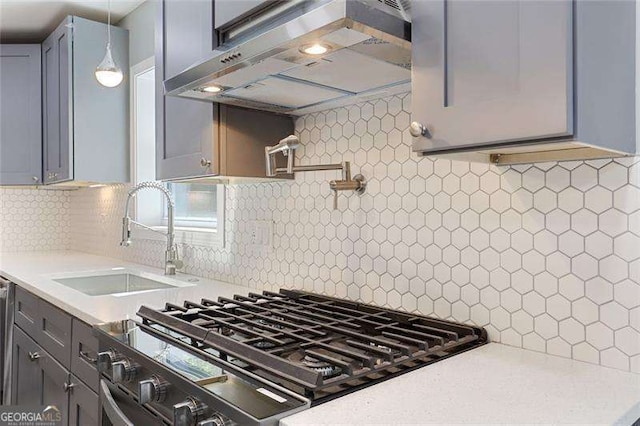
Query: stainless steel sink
(116, 282)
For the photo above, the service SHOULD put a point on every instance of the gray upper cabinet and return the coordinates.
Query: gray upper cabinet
(491, 71)
(230, 11)
(57, 109)
(20, 115)
(199, 139)
(517, 81)
(184, 129)
(85, 128)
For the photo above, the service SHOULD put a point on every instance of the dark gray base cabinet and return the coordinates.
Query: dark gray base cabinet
(37, 377)
(53, 361)
(84, 407)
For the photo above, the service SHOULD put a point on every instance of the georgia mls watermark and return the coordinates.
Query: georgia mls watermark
(28, 415)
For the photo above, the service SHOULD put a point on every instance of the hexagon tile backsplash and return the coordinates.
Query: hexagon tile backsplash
(33, 220)
(545, 256)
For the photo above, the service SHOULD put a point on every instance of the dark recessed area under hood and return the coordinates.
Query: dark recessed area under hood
(368, 56)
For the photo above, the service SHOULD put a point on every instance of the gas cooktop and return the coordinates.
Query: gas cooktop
(255, 359)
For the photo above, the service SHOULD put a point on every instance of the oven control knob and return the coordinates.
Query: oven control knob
(105, 360)
(123, 371)
(188, 412)
(216, 420)
(153, 389)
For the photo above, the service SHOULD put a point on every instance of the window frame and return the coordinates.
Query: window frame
(186, 232)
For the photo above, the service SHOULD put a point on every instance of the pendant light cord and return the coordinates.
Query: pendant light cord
(109, 23)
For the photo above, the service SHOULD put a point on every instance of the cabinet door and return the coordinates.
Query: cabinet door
(25, 370)
(20, 115)
(495, 71)
(56, 105)
(54, 381)
(84, 407)
(184, 128)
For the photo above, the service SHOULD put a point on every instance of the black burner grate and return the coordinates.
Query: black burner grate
(315, 345)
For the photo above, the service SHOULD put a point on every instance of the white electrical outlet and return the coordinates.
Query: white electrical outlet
(260, 233)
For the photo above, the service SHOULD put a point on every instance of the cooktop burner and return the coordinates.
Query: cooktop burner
(324, 368)
(316, 346)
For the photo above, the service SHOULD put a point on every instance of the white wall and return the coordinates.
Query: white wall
(141, 25)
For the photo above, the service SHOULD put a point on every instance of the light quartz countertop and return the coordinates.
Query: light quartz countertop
(493, 384)
(488, 385)
(36, 271)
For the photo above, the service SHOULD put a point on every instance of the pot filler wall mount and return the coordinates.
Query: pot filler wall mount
(304, 56)
(287, 147)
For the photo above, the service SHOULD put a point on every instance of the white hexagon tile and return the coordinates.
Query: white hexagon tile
(33, 220)
(545, 256)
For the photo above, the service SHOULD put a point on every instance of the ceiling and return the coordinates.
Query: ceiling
(30, 21)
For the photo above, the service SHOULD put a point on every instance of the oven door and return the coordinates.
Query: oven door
(119, 409)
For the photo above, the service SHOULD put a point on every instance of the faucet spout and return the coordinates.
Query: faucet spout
(126, 231)
(172, 261)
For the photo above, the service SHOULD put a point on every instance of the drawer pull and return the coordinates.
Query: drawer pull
(85, 355)
(34, 356)
(68, 386)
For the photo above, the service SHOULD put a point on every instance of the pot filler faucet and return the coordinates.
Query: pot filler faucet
(171, 260)
(287, 147)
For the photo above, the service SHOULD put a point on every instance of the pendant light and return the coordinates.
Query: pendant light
(108, 73)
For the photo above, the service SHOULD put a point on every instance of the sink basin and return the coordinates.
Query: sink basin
(115, 282)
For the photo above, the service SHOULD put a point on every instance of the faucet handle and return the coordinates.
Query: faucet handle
(335, 198)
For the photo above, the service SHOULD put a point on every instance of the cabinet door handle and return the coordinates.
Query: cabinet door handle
(34, 356)
(68, 386)
(418, 129)
(204, 162)
(85, 355)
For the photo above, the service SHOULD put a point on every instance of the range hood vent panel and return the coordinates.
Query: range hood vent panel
(369, 53)
(288, 94)
(344, 70)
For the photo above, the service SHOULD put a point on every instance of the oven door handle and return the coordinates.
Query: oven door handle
(110, 407)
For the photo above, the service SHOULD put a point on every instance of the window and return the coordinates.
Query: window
(199, 207)
(196, 205)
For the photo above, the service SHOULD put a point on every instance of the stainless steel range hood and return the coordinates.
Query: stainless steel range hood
(269, 67)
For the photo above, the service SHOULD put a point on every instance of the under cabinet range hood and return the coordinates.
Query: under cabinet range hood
(305, 56)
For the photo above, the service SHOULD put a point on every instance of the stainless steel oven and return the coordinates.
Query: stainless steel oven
(118, 408)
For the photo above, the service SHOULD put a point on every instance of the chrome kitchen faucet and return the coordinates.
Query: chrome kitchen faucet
(171, 260)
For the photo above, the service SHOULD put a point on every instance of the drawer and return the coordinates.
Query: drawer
(55, 332)
(49, 326)
(84, 351)
(26, 312)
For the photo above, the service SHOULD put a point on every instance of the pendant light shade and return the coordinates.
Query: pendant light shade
(108, 73)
